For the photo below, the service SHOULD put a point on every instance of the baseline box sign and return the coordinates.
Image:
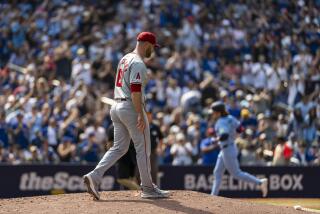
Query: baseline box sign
(30, 180)
(283, 181)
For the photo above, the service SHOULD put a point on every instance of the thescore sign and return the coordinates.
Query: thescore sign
(60, 180)
(29, 180)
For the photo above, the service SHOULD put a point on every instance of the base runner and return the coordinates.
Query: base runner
(226, 128)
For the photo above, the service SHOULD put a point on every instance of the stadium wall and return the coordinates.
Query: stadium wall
(31, 180)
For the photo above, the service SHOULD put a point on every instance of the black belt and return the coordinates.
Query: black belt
(225, 146)
(120, 99)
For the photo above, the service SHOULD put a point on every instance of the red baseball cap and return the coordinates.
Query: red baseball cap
(148, 37)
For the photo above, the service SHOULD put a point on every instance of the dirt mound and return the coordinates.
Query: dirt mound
(130, 202)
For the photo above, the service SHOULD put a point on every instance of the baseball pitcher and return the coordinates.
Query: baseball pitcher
(129, 120)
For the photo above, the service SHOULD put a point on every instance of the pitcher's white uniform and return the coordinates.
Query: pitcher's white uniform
(131, 76)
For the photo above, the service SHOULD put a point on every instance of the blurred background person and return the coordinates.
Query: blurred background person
(181, 151)
(209, 149)
(156, 138)
(282, 153)
(66, 149)
(89, 149)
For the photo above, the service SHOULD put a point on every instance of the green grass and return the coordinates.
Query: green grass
(313, 203)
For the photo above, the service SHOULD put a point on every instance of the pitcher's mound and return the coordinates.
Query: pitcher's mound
(130, 202)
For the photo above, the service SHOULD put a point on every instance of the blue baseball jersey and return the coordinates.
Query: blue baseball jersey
(227, 125)
(227, 158)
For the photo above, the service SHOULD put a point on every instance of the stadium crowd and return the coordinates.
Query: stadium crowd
(262, 58)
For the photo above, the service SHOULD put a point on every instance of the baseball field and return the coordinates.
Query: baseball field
(130, 202)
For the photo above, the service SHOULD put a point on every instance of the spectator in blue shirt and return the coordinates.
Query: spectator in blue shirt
(233, 109)
(313, 153)
(209, 148)
(301, 154)
(248, 120)
(90, 149)
(3, 153)
(20, 132)
(310, 128)
(4, 128)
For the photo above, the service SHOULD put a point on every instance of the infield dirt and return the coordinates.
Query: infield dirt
(130, 202)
